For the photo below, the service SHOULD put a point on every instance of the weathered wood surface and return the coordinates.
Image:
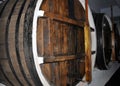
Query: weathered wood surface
(60, 40)
(12, 59)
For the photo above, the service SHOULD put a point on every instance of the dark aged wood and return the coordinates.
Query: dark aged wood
(2, 6)
(117, 42)
(63, 58)
(12, 58)
(60, 40)
(104, 41)
(63, 42)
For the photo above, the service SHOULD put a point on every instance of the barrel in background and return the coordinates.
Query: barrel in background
(117, 41)
(104, 40)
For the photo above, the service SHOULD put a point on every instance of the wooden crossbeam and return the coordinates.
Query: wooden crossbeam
(64, 19)
(62, 58)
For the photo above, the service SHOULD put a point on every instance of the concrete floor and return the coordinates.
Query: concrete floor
(2, 84)
(100, 77)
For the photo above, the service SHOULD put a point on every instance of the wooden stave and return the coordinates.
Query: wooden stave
(22, 73)
(29, 51)
(4, 39)
(2, 6)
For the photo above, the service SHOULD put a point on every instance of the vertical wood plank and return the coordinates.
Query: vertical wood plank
(88, 72)
(63, 73)
(40, 39)
(88, 54)
(46, 35)
(55, 44)
(57, 75)
(45, 5)
(51, 27)
(79, 15)
(65, 37)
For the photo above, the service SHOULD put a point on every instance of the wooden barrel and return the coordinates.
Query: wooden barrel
(42, 42)
(117, 41)
(104, 40)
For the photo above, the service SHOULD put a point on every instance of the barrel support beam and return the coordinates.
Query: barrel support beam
(88, 68)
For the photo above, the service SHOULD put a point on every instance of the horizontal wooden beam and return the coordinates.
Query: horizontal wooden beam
(62, 58)
(64, 19)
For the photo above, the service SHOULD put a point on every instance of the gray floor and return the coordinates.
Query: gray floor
(99, 78)
(1, 84)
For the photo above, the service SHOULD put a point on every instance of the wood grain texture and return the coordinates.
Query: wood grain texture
(63, 42)
(12, 59)
(60, 40)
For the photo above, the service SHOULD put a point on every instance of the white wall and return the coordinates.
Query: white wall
(94, 5)
(116, 11)
(97, 5)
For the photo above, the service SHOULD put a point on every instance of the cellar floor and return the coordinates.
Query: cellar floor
(101, 77)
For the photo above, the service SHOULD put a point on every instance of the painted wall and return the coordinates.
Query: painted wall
(116, 11)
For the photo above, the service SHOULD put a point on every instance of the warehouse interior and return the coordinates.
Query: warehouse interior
(102, 77)
(105, 7)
